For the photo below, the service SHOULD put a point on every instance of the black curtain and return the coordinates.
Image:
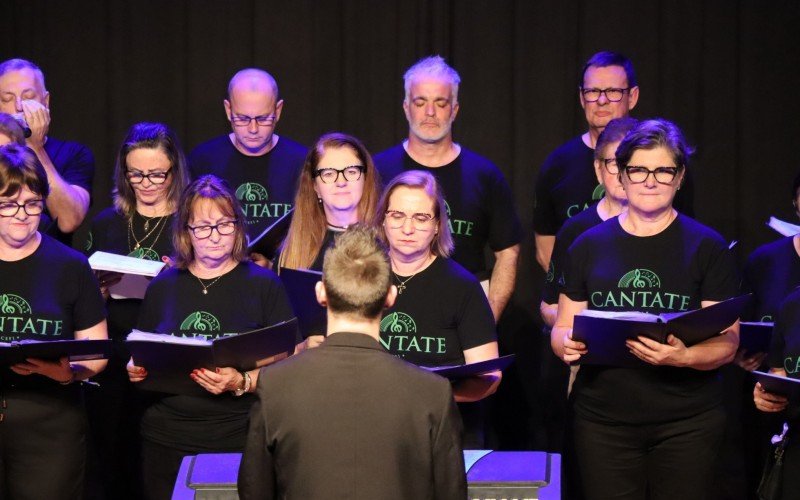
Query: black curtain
(726, 71)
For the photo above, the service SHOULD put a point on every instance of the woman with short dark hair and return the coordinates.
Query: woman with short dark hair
(47, 292)
(653, 430)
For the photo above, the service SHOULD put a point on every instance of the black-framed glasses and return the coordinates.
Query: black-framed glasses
(263, 120)
(611, 165)
(662, 175)
(223, 228)
(612, 94)
(420, 221)
(135, 177)
(331, 175)
(12, 208)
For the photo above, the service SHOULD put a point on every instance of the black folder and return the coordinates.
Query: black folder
(776, 384)
(269, 240)
(299, 284)
(76, 350)
(169, 360)
(472, 369)
(605, 336)
(755, 337)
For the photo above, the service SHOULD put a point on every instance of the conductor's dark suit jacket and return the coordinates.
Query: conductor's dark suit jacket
(348, 420)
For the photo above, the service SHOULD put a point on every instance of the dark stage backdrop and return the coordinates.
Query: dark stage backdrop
(726, 71)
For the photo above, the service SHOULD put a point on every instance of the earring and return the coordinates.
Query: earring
(319, 200)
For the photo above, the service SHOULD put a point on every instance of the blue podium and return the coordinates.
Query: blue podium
(511, 475)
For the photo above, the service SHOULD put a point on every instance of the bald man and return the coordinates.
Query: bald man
(260, 166)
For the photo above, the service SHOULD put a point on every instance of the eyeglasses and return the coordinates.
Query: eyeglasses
(263, 120)
(135, 177)
(662, 175)
(331, 175)
(223, 228)
(611, 165)
(396, 219)
(30, 207)
(612, 94)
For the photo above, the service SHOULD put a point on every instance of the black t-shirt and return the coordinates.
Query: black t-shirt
(784, 351)
(110, 232)
(771, 272)
(479, 203)
(330, 235)
(264, 184)
(245, 298)
(47, 296)
(571, 229)
(441, 313)
(74, 162)
(567, 184)
(668, 272)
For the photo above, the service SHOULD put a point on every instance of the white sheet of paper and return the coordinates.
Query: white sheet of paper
(104, 261)
(783, 227)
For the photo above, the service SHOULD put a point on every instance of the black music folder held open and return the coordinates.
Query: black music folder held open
(311, 316)
(76, 350)
(471, 369)
(785, 386)
(169, 360)
(269, 240)
(605, 333)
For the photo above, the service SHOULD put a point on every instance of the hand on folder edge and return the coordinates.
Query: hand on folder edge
(572, 350)
(59, 370)
(749, 362)
(767, 401)
(107, 279)
(673, 353)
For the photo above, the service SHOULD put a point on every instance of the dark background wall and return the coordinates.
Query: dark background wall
(726, 71)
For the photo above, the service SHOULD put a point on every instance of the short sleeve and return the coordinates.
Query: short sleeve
(476, 326)
(89, 308)
(505, 230)
(721, 279)
(575, 271)
(544, 217)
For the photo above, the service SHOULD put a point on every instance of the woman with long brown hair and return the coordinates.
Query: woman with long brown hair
(338, 187)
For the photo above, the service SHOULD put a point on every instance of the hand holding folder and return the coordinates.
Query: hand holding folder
(170, 360)
(605, 333)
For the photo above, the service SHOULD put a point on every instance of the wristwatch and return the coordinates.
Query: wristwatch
(246, 383)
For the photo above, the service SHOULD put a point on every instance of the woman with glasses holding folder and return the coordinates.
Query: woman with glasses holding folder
(47, 292)
(656, 428)
(338, 187)
(212, 291)
(441, 315)
(149, 176)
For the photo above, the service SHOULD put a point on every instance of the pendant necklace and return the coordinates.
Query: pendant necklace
(401, 284)
(141, 242)
(206, 287)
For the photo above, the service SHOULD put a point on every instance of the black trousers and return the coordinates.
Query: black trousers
(42, 444)
(673, 460)
(160, 465)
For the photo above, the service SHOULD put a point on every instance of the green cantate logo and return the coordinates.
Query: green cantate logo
(200, 321)
(640, 278)
(89, 241)
(398, 322)
(251, 191)
(447, 208)
(551, 272)
(14, 304)
(144, 253)
(598, 192)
